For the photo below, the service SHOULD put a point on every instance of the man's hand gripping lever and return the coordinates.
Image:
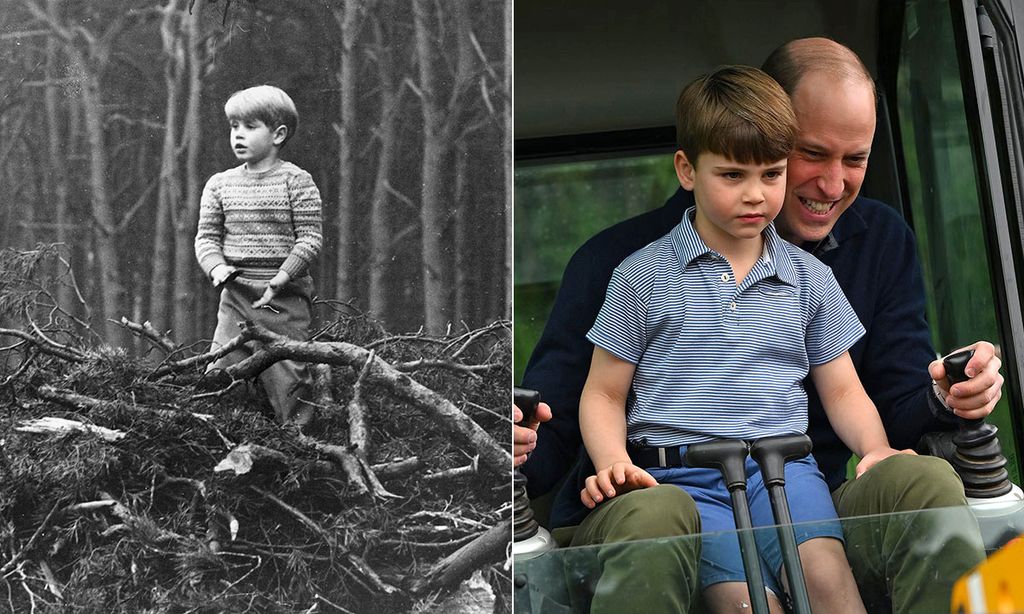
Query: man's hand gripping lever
(528, 537)
(978, 458)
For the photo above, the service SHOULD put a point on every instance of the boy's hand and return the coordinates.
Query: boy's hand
(273, 287)
(873, 457)
(524, 436)
(221, 274)
(618, 479)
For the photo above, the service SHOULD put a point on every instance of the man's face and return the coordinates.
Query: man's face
(836, 123)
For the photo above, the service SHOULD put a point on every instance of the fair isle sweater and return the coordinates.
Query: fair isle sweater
(266, 220)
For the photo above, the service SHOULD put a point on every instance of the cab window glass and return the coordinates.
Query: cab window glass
(943, 191)
(558, 206)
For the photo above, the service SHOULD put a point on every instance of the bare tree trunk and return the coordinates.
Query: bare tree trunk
(185, 325)
(11, 136)
(465, 247)
(32, 201)
(90, 65)
(462, 213)
(58, 169)
(169, 190)
(110, 287)
(381, 248)
(435, 216)
(509, 160)
(346, 261)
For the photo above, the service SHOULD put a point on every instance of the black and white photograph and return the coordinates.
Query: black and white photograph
(255, 306)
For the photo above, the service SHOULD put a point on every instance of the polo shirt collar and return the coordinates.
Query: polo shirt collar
(688, 246)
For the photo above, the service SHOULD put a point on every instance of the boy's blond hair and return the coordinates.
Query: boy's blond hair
(738, 112)
(269, 104)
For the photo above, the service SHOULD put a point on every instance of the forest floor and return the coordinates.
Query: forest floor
(130, 482)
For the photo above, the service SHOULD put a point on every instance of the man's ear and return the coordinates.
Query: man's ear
(684, 170)
(280, 134)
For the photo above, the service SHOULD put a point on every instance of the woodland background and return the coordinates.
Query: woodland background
(131, 480)
(111, 116)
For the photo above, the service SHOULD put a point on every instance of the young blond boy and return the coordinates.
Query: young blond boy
(708, 333)
(259, 233)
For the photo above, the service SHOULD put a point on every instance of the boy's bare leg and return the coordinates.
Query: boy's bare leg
(733, 597)
(830, 583)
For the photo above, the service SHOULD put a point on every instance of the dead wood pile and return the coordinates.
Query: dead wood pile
(132, 482)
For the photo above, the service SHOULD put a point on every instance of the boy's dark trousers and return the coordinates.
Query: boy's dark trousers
(286, 381)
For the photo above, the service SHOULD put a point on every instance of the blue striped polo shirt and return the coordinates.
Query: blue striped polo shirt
(714, 359)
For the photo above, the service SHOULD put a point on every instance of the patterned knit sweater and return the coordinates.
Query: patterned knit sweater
(266, 220)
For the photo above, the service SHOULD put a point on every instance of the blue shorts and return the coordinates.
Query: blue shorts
(809, 500)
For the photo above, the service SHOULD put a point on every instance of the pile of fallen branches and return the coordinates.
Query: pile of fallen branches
(135, 482)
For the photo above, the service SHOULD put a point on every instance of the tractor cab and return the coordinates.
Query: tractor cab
(595, 87)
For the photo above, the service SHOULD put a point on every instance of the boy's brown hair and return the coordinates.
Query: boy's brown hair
(738, 112)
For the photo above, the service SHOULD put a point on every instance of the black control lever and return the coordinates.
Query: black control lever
(729, 456)
(527, 401)
(979, 458)
(523, 524)
(771, 454)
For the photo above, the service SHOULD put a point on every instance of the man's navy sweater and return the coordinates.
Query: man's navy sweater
(873, 255)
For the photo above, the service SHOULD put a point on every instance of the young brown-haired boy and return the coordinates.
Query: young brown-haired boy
(709, 332)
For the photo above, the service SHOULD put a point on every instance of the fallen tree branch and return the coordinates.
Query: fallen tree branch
(218, 393)
(340, 455)
(302, 518)
(61, 426)
(456, 472)
(174, 366)
(88, 506)
(488, 548)
(359, 433)
(470, 370)
(493, 457)
(397, 468)
(80, 401)
(369, 573)
(146, 331)
(473, 335)
(45, 345)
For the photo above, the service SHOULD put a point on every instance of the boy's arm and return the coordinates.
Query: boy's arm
(209, 243)
(851, 412)
(603, 426)
(307, 222)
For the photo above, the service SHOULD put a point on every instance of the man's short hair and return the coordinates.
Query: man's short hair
(269, 104)
(789, 62)
(738, 112)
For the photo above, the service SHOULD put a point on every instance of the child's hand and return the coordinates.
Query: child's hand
(618, 479)
(275, 285)
(222, 273)
(878, 454)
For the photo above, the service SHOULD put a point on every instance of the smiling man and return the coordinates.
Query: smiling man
(873, 256)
